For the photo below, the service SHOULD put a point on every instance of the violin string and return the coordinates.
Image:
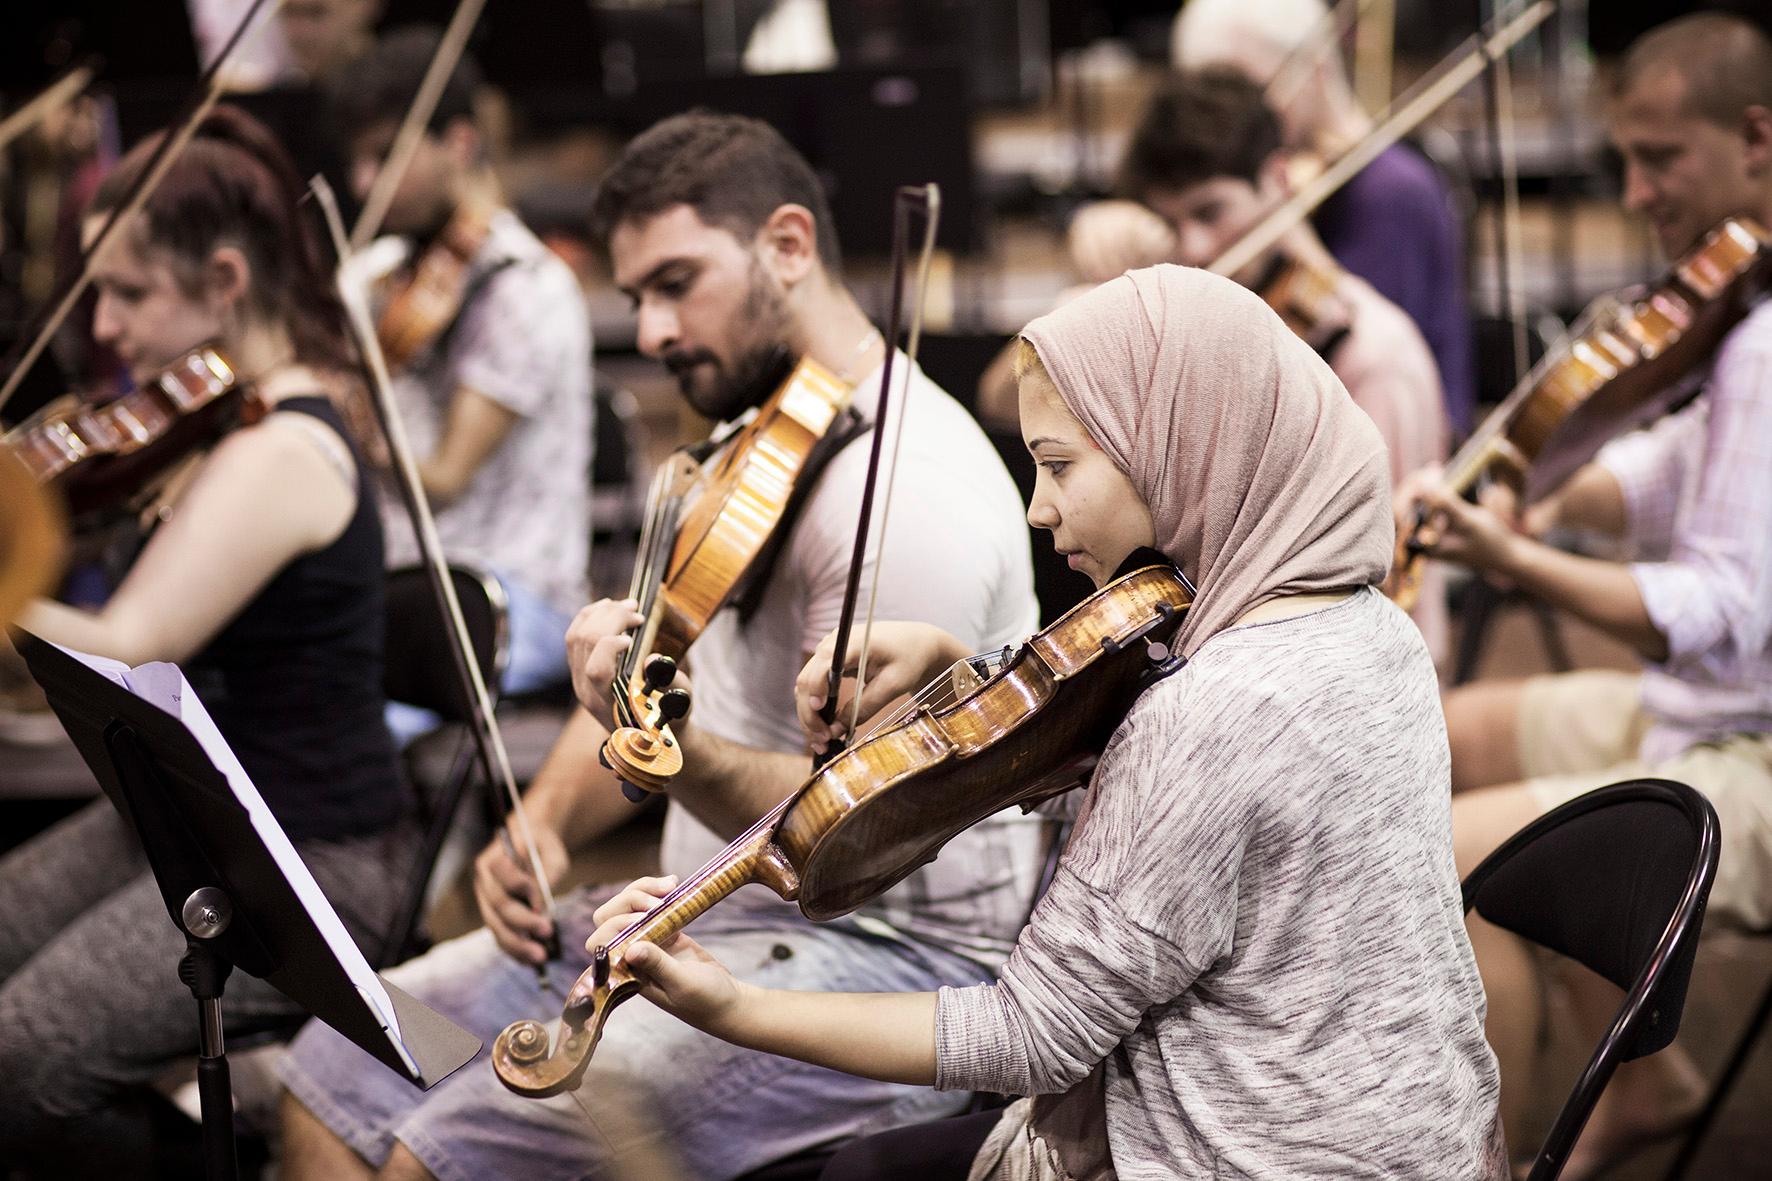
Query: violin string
(939, 694)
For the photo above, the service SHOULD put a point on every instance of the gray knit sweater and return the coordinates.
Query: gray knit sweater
(1256, 925)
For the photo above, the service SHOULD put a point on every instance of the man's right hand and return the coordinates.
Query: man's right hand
(595, 643)
(904, 658)
(510, 901)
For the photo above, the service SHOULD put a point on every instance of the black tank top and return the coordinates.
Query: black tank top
(294, 681)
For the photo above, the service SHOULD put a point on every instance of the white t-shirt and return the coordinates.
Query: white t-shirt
(524, 341)
(956, 555)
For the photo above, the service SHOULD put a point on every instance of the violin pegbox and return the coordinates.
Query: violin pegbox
(644, 753)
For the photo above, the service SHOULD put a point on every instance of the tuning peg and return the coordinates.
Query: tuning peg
(658, 672)
(673, 704)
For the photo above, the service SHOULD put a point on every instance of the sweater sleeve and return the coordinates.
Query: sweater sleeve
(1144, 901)
(1080, 979)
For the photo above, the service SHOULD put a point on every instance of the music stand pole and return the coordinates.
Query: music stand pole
(204, 970)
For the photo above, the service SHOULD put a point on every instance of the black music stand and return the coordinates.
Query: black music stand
(227, 891)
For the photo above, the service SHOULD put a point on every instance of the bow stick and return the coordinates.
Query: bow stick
(1453, 73)
(905, 200)
(45, 103)
(209, 88)
(1284, 83)
(412, 127)
(1498, 107)
(488, 738)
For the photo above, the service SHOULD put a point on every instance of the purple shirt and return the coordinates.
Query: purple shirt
(1393, 226)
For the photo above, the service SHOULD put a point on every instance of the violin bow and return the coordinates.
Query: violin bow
(1283, 84)
(1453, 73)
(1498, 109)
(412, 126)
(905, 200)
(45, 103)
(207, 93)
(488, 738)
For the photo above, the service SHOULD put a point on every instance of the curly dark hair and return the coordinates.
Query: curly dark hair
(1200, 125)
(732, 170)
(378, 86)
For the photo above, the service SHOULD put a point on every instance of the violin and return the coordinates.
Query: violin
(114, 456)
(31, 541)
(1006, 729)
(1304, 292)
(1624, 364)
(430, 294)
(707, 523)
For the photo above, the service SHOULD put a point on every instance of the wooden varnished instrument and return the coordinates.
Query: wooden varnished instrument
(1622, 365)
(706, 524)
(31, 540)
(1010, 730)
(113, 456)
(428, 296)
(1305, 295)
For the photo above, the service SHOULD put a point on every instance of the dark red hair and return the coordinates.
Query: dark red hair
(234, 185)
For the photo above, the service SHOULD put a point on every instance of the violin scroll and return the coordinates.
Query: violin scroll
(522, 1056)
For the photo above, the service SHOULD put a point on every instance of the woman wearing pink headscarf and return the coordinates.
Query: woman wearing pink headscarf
(1251, 961)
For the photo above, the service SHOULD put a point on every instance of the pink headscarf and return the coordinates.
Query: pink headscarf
(1262, 476)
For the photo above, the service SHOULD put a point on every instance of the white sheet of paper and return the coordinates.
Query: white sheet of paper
(164, 686)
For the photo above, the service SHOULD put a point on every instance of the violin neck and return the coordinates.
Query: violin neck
(753, 858)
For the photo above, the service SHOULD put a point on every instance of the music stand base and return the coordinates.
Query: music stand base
(204, 970)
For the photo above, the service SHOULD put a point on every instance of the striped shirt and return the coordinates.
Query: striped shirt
(1256, 928)
(1698, 514)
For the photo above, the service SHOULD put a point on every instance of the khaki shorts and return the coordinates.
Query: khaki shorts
(1579, 731)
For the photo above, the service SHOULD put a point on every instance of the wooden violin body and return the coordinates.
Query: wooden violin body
(102, 457)
(1303, 293)
(706, 525)
(887, 805)
(31, 541)
(1622, 366)
(430, 299)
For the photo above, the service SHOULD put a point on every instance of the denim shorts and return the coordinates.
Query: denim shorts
(658, 1094)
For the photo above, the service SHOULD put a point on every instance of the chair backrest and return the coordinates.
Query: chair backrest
(619, 483)
(418, 665)
(1617, 880)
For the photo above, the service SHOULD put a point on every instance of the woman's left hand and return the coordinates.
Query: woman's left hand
(679, 977)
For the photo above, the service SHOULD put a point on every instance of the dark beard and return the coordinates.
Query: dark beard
(755, 373)
(754, 377)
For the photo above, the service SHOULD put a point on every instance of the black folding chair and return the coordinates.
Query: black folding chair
(419, 670)
(1719, 1092)
(1616, 880)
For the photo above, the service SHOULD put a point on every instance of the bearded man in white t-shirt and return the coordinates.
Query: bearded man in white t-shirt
(719, 234)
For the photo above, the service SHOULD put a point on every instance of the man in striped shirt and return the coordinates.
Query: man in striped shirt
(1691, 499)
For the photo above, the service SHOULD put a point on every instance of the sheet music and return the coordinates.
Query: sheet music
(164, 686)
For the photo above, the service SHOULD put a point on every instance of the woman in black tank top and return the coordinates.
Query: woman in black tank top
(265, 583)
